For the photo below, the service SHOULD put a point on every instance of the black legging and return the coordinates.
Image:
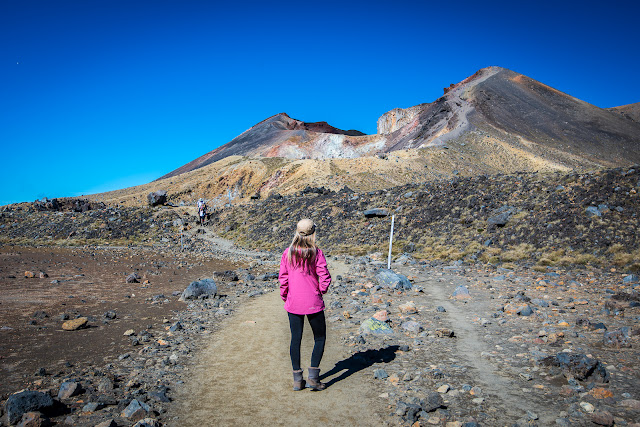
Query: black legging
(319, 328)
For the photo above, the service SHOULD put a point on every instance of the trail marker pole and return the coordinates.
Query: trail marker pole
(181, 247)
(390, 242)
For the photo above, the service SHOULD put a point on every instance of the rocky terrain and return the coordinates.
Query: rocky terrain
(517, 305)
(630, 112)
(573, 220)
(460, 343)
(86, 326)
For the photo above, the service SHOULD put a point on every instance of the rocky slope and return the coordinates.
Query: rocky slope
(555, 219)
(631, 111)
(541, 219)
(282, 136)
(507, 105)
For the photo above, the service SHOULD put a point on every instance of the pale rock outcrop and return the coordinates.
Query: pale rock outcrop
(393, 120)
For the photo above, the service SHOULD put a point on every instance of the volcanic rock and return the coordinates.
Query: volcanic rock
(34, 419)
(69, 389)
(388, 278)
(204, 288)
(579, 366)
(376, 212)
(157, 198)
(26, 401)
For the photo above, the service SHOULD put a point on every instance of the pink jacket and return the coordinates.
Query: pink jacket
(302, 290)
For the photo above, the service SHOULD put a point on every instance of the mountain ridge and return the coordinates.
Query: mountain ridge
(498, 101)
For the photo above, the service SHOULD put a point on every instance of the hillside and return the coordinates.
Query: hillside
(236, 179)
(282, 136)
(538, 219)
(630, 111)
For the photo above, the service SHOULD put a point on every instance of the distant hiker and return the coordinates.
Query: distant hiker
(202, 210)
(304, 278)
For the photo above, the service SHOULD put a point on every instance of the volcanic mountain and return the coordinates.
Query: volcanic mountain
(495, 121)
(504, 106)
(282, 136)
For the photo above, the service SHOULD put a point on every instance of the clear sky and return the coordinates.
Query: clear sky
(97, 95)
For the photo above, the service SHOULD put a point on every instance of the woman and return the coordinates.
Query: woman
(304, 278)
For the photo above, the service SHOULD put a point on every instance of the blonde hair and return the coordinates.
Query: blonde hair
(302, 251)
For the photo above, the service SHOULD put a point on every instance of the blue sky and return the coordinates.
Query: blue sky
(98, 95)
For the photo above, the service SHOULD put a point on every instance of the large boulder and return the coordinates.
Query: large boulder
(26, 401)
(204, 288)
(388, 278)
(500, 216)
(157, 198)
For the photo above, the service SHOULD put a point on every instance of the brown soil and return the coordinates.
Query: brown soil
(92, 282)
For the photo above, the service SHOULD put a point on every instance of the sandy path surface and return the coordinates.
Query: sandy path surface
(244, 377)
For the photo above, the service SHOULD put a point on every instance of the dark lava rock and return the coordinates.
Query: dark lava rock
(267, 276)
(602, 418)
(26, 401)
(618, 338)
(500, 216)
(136, 410)
(69, 389)
(579, 366)
(376, 212)
(389, 278)
(175, 327)
(431, 402)
(157, 198)
(159, 396)
(200, 288)
(225, 276)
(408, 411)
(623, 296)
(133, 278)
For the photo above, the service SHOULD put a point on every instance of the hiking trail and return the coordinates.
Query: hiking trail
(243, 377)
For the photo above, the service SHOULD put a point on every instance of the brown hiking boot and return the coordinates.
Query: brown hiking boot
(298, 381)
(314, 380)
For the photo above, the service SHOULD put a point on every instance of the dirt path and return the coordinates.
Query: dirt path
(506, 395)
(223, 245)
(244, 377)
